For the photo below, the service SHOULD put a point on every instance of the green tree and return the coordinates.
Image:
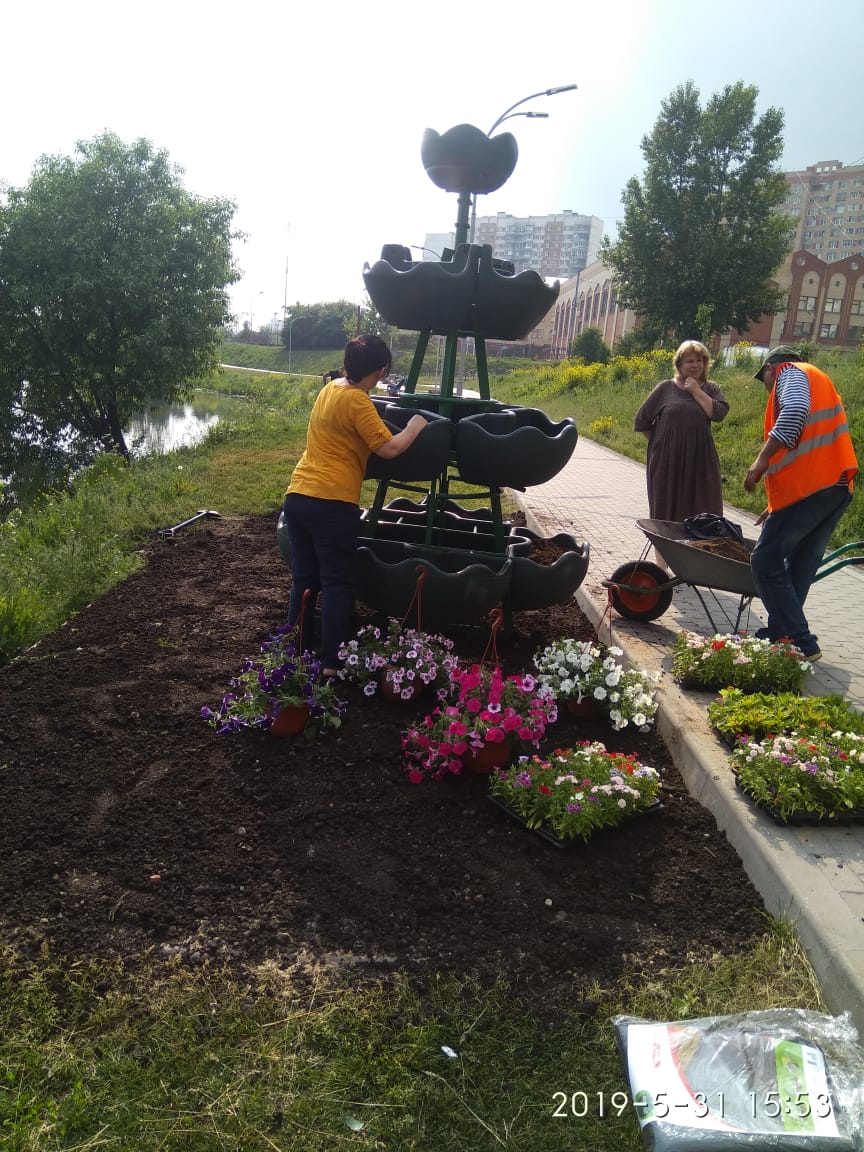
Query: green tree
(112, 294)
(589, 346)
(641, 339)
(701, 239)
(371, 320)
(321, 326)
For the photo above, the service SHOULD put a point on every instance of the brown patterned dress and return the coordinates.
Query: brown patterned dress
(683, 465)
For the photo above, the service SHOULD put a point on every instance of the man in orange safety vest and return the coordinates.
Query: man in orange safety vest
(808, 463)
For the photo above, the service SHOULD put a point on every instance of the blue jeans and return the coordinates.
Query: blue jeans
(323, 539)
(787, 556)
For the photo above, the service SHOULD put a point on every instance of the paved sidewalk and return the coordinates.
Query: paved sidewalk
(811, 876)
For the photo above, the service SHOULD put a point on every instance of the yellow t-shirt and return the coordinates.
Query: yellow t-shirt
(344, 429)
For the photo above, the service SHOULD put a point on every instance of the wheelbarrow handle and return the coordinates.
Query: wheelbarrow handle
(838, 559)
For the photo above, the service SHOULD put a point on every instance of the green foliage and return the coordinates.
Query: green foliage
(114, 282)
(317, 326)
(641, 339)
(701, 239)
(807, 351)
(589, 346)
(274, 358)
(371, 320)
(620, 372)
(760, 714)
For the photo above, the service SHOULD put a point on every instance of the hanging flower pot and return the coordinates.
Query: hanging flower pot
(397, 659)
(488, 758)
(290, 721)
(272, 686)
(402, 691)
(478, 724)
(622, 696)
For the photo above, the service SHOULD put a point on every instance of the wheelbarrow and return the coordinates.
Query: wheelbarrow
(640, 590)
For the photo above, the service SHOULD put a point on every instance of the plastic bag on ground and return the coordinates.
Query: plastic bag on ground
(778, 1080)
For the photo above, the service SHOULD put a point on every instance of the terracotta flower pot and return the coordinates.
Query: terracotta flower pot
(487, 758)
(587, 708)
(290, 721)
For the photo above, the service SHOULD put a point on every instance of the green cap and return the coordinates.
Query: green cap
(779, 355)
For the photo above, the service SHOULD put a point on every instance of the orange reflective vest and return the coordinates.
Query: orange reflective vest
(824, 451)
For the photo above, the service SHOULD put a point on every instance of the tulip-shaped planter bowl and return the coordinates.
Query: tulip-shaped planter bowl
(514, 448)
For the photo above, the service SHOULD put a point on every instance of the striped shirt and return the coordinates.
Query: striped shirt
(791, 405)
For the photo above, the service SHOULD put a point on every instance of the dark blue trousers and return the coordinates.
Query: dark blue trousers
(787, 556)
(323, 539)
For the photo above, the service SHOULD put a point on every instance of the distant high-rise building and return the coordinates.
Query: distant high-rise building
(827, 202)
(556, 246)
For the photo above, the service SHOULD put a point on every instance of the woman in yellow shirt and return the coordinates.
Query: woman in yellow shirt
(322, 504)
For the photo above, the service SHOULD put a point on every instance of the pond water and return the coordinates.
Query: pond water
(171, 426)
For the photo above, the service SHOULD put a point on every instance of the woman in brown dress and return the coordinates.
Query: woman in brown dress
(683, 466)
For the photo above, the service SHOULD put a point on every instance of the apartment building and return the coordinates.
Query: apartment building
(556, 246)
(826, 201)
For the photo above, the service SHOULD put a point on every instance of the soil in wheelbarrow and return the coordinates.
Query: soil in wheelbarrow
(728, 549)
(131, 829)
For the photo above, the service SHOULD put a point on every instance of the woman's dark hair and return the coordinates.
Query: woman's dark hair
(364, 354)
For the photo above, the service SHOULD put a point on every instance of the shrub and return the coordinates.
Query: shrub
(601, 427)
(590, 347)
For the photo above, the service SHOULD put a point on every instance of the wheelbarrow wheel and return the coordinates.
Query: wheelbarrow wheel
(651, 600)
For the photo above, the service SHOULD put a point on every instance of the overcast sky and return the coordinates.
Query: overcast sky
(309, 115)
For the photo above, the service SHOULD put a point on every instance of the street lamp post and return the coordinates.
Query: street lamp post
(285, 302)
(500, 120)
(251, 317)
(290, 319)
(507, 114)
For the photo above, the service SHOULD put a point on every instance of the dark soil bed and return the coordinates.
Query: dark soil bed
(129, 828)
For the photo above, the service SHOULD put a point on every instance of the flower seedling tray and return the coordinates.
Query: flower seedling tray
(850, 816)
(551, 838)
(726, 738)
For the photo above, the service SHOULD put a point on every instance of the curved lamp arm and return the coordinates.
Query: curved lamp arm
(525, 99)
